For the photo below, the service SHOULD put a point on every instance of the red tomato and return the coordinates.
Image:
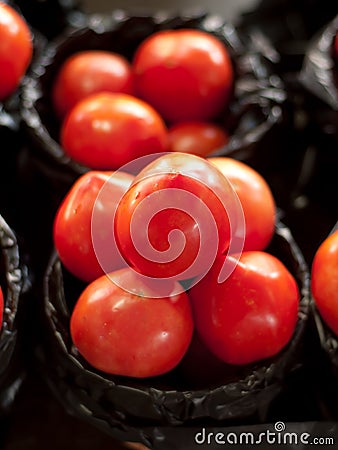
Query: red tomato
(106, 131)
(336, 45)
(89, 72)
(73, 224)
(132, 333)
(250, 316)
(197, 138)
(173, 221)
(15, 49)
(1, 307)
(256, 199)
(324, 282)
(185, 74)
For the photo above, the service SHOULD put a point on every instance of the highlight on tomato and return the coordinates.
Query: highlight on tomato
(89, 72)
(186, 74)
(105, 131)
(73, 234)
(178, 214)
(140, 333)
(251, 315)
(256, 199)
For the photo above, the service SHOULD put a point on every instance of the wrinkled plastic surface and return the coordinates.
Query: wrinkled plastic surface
(312, 209)
(319, 71)
(15, 283)
(133, 409)
(290, 25)
(323, 366)
(254, 110)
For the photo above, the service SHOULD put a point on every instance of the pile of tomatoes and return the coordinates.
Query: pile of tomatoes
(135, 236)
(139, 316)
(168, 98)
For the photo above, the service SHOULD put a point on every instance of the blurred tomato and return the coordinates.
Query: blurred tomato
(324, 282)
(197, 138)
(256, 199)
(251, 315)
(186, 74)
(73, 233)
(16, 49)
(89, 72)
(132, 333)
(105, 131)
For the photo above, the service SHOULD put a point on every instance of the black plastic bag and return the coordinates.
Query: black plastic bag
(313, 209)
(319, 77)
(15, 284)
(131, 409)
(49, 17)
(290, 24)
(319, 73)
(254, 110)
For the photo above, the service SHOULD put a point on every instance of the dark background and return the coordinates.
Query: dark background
(38, 420)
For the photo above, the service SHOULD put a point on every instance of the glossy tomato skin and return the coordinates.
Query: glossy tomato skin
(131, 333)
(324, 281)
(16, 49)
(107, 130)
(250, 316)
(186, 74)
(172, 191)
(197, 138)
(89, 72)
(256, 199)
(73, 223)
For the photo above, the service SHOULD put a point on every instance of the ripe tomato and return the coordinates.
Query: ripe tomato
(89, 72)
(256, 199)
(1, 307)
(185, 74)
(324, 281)
(336, 46)
(15, 49)
(132, 333)
(174, 218)
(197, 138)
(107, 130)
(73, 224)
(250, 316)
